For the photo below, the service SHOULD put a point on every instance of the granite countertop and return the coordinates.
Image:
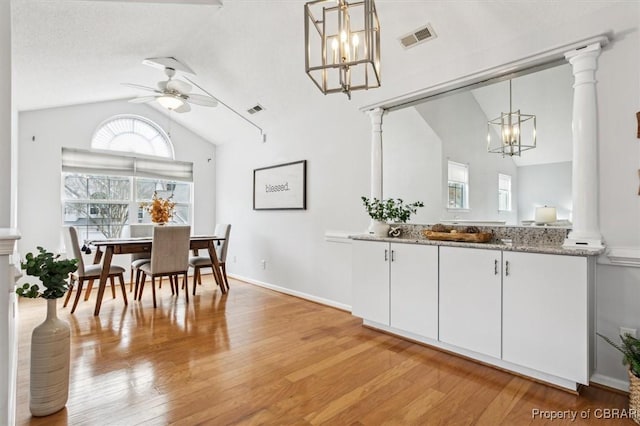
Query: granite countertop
(530, 248)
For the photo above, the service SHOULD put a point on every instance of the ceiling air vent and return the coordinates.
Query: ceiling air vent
(255, 109)
(418, 36)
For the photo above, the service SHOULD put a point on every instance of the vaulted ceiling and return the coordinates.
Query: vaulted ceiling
(246, 52)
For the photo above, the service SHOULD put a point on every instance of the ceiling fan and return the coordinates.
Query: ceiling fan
(173, 94)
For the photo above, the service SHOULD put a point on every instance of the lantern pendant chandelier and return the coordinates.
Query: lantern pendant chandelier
(511, 126)
(342, 42)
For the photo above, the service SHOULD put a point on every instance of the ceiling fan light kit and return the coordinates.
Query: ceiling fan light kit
(342, 41)
(173, 94)
(170, 102)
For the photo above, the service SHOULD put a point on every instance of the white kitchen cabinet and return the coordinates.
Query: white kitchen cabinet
(371, 281)
(414, 289)
(470, 299)
(545, 314)
(397, 285)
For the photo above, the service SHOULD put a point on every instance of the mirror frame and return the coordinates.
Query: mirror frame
(582, 55)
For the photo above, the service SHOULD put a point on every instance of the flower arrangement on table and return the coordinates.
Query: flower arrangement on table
(160, 209)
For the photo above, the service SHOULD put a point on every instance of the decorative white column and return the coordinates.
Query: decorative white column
(585, 232)
(376, 153)
(8, 341)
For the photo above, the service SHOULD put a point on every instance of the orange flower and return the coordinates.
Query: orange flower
(160, 210)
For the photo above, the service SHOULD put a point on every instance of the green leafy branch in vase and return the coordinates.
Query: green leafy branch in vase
(630, 349)
(394, 210)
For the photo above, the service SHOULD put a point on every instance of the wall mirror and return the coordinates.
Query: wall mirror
(425, 142)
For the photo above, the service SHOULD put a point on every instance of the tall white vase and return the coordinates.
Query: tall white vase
(50, 351)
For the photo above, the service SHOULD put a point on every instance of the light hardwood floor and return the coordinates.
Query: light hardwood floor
(254, 356)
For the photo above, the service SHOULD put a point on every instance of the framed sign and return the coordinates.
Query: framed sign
(280, 187)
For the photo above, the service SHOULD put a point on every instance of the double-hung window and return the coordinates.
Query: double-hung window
(504, 193)
(458, 185)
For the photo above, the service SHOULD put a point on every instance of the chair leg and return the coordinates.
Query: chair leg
(138, 274)
(185, 283)
(69, 290)
(113, 286)
(223, 265)
(138, 292)
(199, 276)
(172, 284)
(195, 275)
(196, 272)
(160, 282)
(78, 293)
(153, 290)
(124, 289)
(131, 281)
(89, 288)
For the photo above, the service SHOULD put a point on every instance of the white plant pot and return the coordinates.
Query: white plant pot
(50, 351)
(378, 228)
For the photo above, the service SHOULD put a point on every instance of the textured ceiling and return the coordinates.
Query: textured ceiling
(75, 51)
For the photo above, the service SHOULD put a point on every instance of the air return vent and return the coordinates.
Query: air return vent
(255, 109)
(418, 36)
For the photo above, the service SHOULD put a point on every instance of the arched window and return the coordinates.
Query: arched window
(134, 134)
(104, 192)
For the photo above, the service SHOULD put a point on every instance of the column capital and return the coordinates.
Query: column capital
(591, 51)
(376, 116)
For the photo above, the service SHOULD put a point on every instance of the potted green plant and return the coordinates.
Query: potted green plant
(50, 341)
(383, 211)
(630, 349)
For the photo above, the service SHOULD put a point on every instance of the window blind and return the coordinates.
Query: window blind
(97, 162)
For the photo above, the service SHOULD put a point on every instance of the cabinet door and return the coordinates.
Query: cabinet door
(470, 299)
(545, 324)
(414, 289)
(371, 281)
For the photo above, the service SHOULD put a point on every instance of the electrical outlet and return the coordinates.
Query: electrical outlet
(625, 330)
(263, 263)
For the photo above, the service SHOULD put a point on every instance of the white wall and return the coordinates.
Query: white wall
(43, 133)
(412, 163)
(334, 138)
(5, 115)
(534, 184)
(462, 126)
(331, 133)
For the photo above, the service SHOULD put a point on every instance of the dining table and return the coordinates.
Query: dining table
(106, 248)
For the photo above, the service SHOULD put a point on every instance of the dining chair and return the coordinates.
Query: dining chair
(169, 258)
(89, 273)
(199, 262)
(138, 259)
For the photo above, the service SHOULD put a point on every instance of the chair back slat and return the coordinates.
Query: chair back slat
(170, 249)
(222, 230)
(74, 245)
(140, 230)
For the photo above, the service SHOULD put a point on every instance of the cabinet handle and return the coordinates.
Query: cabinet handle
(393, 255)
(386, 255)
(495, 267)
(506, 270)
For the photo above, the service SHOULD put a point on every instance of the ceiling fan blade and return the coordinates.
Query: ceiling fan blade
(184, 108)
(179, 86)
(138, 86)
(142, 99)
(203, 100)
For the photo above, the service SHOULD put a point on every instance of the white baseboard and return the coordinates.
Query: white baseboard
(601, 379)
(295, 293)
